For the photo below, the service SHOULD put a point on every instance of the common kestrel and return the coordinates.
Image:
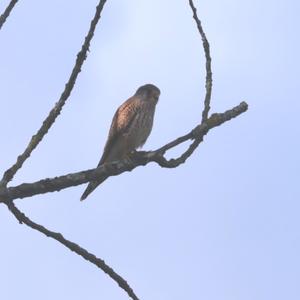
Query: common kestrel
(130, 128)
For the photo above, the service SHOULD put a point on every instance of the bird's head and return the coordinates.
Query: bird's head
(148, 92)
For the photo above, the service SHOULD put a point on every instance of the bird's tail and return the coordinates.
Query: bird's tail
(91, 187)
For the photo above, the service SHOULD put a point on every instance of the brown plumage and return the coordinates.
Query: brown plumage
(130, 128)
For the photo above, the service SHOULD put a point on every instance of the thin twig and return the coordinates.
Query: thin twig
(208, 82)
(7, 11)
(22, 218)
(81, 56)
(139, 159)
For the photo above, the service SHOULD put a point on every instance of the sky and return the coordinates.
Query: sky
(223, 226)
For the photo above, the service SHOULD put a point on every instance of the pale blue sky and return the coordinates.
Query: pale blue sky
(224, 226)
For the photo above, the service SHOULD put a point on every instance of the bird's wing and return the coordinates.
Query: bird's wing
(121, 122)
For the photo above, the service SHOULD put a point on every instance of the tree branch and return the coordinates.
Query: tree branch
(112, 169)
(208, 82)
(22, 218)
(7, 195)
(49, 121)
(7, 11)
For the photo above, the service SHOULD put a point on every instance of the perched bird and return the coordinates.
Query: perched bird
(130, 128)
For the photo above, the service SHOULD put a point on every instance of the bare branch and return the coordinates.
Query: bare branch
(22, 218)
(208, 83)
(7, 195)
(49, 121)
(7, 11)
(139, 159)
